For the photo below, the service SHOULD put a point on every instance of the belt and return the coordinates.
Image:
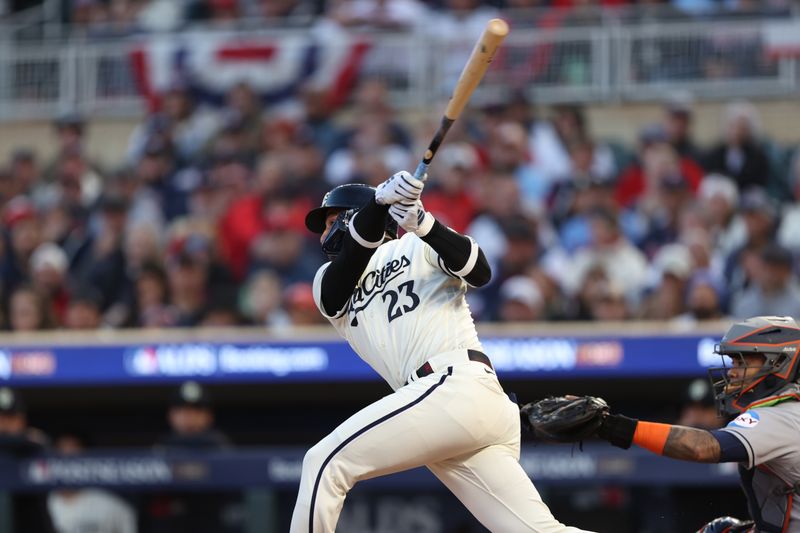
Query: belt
(473, 355)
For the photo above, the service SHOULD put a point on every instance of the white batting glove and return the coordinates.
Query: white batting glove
(412, 217)
(401, 187)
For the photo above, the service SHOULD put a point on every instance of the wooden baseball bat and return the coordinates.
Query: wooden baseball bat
(490, 40)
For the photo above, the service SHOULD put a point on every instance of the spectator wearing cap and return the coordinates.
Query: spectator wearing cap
(775, 289)
(191, 420)
(298, 299)
(521, 300)
(677, 121)
(222, 309)
(161, 184)
(625, 265)
(760, 215)
(672, 266)
(188, 273)
(718, 198)
(25, 172)
(698, 408)
(21, 221)
(181, 122)
(655, 158)
(76, 182)
(71, 174)
(609, 303)
(29, 310)
(317, 116)
(704, 300)
(668, 196)
(48, 270)
(570, 201)
(740, 154)
(244, 104)
(19, 440)
(103, 266)
(87, 509)
(70, 131)
(85, 309)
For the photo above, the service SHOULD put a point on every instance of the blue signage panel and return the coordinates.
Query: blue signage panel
(270, 361)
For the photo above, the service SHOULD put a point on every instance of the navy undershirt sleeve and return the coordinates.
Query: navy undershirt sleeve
(454, 250)
(731, 449)
(343, 273)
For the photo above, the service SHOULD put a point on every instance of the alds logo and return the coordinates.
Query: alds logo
(373, 284)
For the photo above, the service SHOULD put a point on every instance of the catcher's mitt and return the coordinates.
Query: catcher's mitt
(564, 418)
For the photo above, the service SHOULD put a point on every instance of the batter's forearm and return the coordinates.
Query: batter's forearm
(461, 255)
(692, 444)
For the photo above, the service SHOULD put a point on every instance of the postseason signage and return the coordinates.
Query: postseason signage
(599, 463)
(328, 360)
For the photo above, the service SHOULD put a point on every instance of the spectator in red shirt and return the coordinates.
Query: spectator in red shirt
(640, 177)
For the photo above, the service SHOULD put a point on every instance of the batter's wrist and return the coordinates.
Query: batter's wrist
(425, 225)
(618, 430)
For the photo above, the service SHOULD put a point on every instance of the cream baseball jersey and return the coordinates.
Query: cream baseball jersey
(405, 309)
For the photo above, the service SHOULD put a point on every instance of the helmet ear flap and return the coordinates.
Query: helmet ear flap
(334, 241)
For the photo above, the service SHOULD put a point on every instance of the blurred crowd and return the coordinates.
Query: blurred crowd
(124, 17)
(202, 223)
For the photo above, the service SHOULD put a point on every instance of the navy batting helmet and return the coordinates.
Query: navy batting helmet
(349, 198)
(777, 339)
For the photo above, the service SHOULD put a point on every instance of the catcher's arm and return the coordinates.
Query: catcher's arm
(677, 442)
(573, 418)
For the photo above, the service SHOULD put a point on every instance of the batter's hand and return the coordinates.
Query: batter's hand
(412, 217)
(401, 187)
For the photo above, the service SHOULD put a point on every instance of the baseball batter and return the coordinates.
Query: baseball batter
(761, 389)
(400, 304)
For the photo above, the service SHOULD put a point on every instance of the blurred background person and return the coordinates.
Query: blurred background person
(19, 440)
(75, 510)
(191, 421)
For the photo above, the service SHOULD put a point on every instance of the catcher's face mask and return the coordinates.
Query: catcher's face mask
(737, 380)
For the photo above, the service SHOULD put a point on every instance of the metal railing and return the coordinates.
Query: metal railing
(711, 59)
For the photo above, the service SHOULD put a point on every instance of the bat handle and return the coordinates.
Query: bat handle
(421, 172)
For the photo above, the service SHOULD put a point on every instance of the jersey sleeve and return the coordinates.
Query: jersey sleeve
(317, 292)
(766, 434)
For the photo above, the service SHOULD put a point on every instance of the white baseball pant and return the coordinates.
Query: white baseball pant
(460, 424)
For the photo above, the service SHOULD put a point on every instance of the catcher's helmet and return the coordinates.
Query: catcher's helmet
(349, 198)
(777, 338)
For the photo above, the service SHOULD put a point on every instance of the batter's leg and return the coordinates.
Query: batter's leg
(497, 491)
(422, 423)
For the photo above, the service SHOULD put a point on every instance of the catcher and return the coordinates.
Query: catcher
(760, 389)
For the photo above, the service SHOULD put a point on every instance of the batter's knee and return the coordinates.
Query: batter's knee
(313, 459)
(323, 468)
